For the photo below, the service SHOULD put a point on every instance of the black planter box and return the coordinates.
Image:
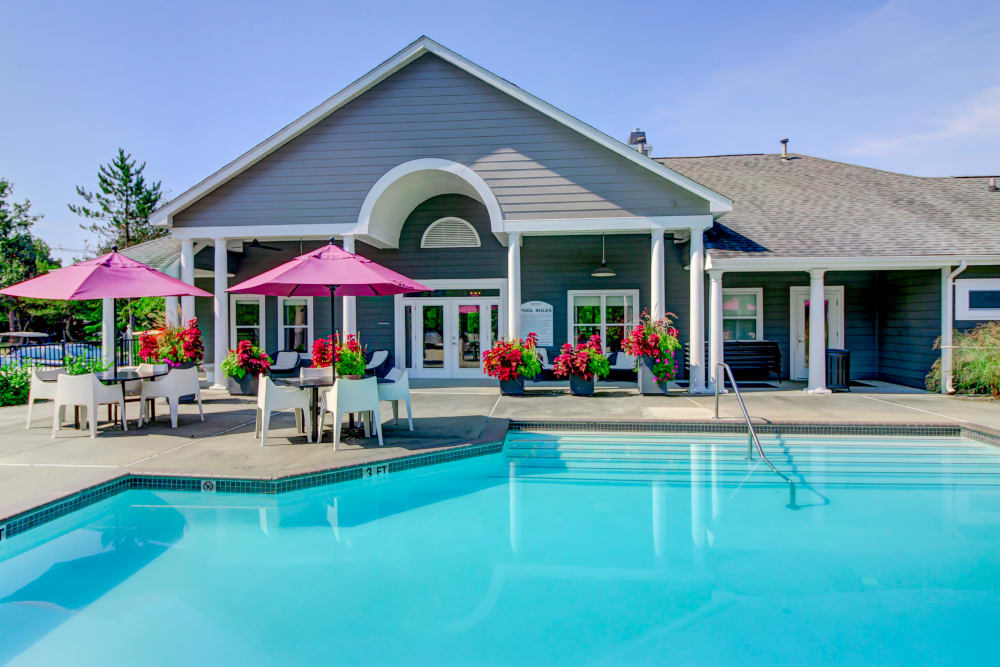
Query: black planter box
(512, 387)
(245, 386)
(580, 387)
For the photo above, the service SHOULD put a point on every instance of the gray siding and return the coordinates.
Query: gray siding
(536, 167)
(859, 313)
(909, 321)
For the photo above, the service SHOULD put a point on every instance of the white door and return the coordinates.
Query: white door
(834, 304)
(449, 336)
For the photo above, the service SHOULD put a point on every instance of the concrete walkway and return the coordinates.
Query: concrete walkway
(35, 468)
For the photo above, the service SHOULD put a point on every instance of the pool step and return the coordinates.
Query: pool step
(723, 459)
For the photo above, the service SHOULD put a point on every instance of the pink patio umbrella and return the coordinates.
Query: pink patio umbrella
(329, 271)
(111, 276)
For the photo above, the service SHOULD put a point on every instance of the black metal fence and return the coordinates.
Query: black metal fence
(53, 353)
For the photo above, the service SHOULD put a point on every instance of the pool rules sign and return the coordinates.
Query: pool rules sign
(536, 318)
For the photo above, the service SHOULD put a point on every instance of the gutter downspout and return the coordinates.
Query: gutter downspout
(948, 324)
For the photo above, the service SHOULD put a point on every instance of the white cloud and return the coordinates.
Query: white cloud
(977, 117)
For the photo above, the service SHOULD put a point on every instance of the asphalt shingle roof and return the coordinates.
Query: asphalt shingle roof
(810, 207)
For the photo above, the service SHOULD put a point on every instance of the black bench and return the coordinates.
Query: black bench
(749, 359)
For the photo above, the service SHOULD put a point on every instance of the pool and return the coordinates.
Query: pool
(563, 549)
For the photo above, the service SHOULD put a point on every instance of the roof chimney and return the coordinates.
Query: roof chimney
(784, 149)
(992, 187)
(637, 140)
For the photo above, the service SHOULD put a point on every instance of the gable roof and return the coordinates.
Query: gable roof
(424, 45)
(811, 207)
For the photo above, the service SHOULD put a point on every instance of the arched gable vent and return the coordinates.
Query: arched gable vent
(450, 233)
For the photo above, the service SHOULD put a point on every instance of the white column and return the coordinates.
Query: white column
(696, 354)
(715, 347)
(107, 331)
(187, 275)
(817, 333)
(350, 302)
(221, 304)
(947, 327)
(171, 310)
(513, 284)
(657, 292)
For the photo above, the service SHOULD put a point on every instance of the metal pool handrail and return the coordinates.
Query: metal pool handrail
(754, 440)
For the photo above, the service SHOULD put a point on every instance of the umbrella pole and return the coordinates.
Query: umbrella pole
(333, 331)
(114, 335)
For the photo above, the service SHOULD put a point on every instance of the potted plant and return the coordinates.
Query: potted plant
(243, 368)
(510, 361)
(178, 347)
(351, 360)
(653, 343)
(583, 364)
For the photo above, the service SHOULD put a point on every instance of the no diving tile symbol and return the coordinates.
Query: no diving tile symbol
(208, 486)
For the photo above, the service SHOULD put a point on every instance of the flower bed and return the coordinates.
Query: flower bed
(511, 361)
(350, 354)
(585, 361)
(173, 346)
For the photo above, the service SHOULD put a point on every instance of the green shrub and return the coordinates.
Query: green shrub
(975, 361)
(82, 365)
(14, 384)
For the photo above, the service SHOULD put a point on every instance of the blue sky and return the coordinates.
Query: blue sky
(911, 86)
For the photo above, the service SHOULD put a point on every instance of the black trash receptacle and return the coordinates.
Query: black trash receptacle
(838, 370)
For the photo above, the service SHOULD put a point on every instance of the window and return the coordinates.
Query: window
(977, 299)
(609, 314)
(450, 233)
(743, 313)
(295, 323)
(247, 315)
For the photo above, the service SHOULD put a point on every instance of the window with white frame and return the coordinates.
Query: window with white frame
(295, 323)
(743, 313)
(246, 318)
(977, 299)
(608, 313)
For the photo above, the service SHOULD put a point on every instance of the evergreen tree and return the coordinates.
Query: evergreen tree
(122, 204)
(24, 255)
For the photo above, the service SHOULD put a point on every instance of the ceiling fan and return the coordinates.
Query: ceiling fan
(255, 244)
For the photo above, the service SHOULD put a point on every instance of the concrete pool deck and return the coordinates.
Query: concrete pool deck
(35, 468)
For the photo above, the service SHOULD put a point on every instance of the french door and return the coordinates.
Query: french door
(834, 304)
(447, 337)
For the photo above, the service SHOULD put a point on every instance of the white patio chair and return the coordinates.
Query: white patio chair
(543, 356)
(624, 362)
(378, 358)
(178, 382)
(271, 397)
(354, 396)
(397, 390)
(42, 388)
(87, 392)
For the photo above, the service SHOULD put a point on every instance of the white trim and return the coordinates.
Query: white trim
(424, 45)
(963, 287)
(310, 319)
(612, 225)
(762, 262)
(392, 192)
(835, 328)
(756, 291)
(275, 232)
(603, 326)
(233, 298)
(450, 219)
(436, 284)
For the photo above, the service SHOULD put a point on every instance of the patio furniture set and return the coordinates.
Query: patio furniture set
(315, 393)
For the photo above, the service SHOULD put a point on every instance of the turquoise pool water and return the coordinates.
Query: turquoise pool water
(571, 549)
